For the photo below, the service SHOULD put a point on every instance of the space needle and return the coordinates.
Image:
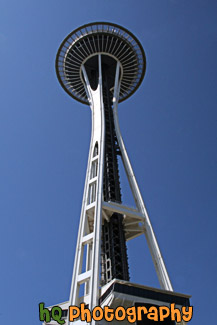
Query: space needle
(101, 65)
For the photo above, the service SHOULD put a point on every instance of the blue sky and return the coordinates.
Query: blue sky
(169, 128)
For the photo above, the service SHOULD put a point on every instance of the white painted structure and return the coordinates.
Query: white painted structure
(86, 285)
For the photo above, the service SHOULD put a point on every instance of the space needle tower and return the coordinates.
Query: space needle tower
(100, 65)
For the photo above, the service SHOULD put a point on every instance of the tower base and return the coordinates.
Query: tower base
(125, 294)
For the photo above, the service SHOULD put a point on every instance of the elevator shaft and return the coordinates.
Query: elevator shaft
(114, 251)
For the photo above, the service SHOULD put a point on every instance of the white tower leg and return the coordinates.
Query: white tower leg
(89, 235)
(162, 274)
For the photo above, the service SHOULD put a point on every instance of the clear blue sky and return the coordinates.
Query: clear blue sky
(169, 126)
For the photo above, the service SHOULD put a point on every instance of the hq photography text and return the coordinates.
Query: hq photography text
(130, 314)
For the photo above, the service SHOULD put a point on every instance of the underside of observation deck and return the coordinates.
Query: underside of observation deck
(100, 38)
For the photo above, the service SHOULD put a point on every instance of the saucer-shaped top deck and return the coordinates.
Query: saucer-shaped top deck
(108, 39)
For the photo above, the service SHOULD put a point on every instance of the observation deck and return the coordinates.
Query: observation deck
(115, 44)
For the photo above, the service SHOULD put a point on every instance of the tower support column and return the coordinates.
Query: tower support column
(86, 270)
(159, 265)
